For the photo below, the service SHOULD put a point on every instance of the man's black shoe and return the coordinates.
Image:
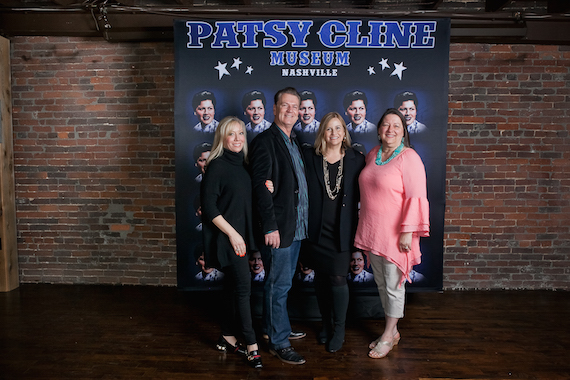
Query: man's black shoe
(288, 355)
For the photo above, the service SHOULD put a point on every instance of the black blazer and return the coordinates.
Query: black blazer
(269, 158)
(353, 164)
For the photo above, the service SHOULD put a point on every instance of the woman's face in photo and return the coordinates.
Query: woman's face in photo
(202, 264)
(408, 109)
(307, 111)
(256, 263)
(356, 111)
(356, 263)
(255, 111)
(205, 112)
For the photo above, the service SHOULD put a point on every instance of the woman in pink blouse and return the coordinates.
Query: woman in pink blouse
(394, 214)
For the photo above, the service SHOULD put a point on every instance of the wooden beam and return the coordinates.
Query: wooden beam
(431, 4)
(495, 5)
(498, 27)
(558, 6)
(10, 3)
(9, 275)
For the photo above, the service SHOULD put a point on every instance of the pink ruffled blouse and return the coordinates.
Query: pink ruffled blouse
(393, 199)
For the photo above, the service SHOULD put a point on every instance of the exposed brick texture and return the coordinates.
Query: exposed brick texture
(94, 163)
(507, 220)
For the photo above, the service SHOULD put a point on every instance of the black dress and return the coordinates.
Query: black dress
(332, 223)
(327, 258)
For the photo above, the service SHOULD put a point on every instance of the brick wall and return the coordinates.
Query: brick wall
(508, 175)
(94, 163)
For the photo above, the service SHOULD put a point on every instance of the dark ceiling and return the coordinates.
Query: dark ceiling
(493, 21)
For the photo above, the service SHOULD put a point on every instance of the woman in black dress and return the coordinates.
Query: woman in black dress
(332, 169)
(227, 232)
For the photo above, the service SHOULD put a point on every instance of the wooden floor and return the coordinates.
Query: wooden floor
(100, 332)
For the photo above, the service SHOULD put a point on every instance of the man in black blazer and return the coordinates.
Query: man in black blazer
(275, 155)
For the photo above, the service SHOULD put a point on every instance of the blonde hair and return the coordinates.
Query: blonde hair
(222, 132)
(320, 143)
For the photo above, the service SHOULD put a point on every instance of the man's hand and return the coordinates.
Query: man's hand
(272, 239)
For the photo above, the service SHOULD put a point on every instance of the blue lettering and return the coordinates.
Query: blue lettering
(250, 29)
(276, 58)
(299, 34)
(376, 33)
(400, 35)
(354, 37)
(291, 58)
(424, 39)
(328, 34)
(342, 58)
(328, 57)
(315, 58)
(275, 37)
(225, 35)
(333, 34)
(197, 31)
(304, 58)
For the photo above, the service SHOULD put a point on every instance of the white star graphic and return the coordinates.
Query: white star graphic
(384, 63)
(399, 68)
(249, 70)
(221, 69)
(371, 70)
(237, 62)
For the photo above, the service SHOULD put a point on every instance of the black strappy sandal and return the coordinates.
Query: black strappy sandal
(254, 359)
(224, 345)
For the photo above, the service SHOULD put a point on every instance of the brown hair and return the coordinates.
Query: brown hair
(286, 90)
(393, 111)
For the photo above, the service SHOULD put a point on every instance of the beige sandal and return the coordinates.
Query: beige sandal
(375, 343)
(375, 353)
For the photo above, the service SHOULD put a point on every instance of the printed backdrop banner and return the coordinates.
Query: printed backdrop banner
(358, 68)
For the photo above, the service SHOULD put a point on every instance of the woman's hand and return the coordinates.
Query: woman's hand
(405, 242)
(269, 185)
(236, 240)
(238, 244)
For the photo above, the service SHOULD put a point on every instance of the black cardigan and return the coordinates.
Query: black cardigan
(350, 195)
(226, 191)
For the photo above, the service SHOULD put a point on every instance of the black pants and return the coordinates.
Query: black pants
(236, 315)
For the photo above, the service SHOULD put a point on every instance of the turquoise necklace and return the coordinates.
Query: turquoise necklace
(396, 152)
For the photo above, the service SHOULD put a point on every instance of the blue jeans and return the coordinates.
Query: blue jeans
(280, 265)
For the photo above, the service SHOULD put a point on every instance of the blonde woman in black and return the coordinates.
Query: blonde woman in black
(227, 232)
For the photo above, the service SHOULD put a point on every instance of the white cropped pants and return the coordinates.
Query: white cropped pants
(387, 277)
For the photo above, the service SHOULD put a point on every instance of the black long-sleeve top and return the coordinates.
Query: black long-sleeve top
(226, 191)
